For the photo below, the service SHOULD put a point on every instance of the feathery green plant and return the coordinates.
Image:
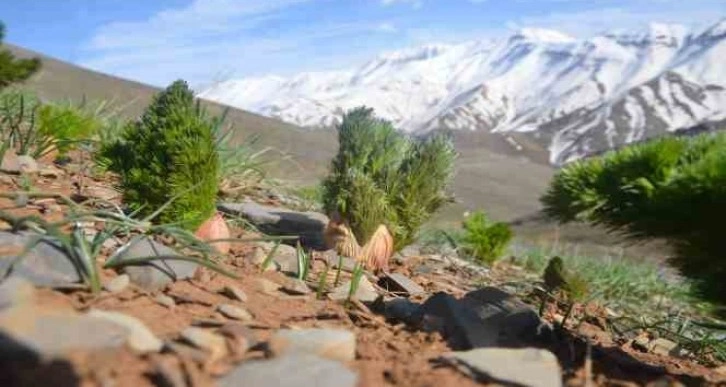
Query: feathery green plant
(482, 239)
(382, 176)
(169, 151)
(672, 188)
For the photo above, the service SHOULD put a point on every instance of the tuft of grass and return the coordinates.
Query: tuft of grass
(303, 262)
(483, 239)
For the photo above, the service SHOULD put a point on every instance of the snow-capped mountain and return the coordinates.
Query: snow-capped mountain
(571, 96)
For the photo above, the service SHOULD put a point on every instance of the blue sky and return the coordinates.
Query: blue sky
(157, 41)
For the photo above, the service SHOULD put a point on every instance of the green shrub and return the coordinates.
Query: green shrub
(169, 153)
(382, 176)
(67, 124)
(14, 70)
(671, 188)
(483, 240)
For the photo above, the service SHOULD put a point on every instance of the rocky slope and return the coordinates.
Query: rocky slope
(570, 96)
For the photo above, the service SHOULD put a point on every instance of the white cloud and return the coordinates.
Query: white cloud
(210, 37)
(414, 3)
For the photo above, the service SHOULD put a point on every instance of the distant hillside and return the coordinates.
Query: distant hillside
(59, 80)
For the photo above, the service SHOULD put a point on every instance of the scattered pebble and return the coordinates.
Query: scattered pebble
(206, 340)
(234, 312)
(234, 293)
(296, 287)
(291, 371)
(267, 286)
(118, 284)
(140, 338)
(164, 300)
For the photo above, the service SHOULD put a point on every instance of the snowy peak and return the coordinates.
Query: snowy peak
(541, 35)
(567, 96)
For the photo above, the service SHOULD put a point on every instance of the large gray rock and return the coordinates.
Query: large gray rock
(522, 367)
(486, 317)
(308, 226)
(44, 265)
(292, 370)
(334, 344)
(31, 331)
(159, 273)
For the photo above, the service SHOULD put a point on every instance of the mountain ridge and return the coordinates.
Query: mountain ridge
(601, 92)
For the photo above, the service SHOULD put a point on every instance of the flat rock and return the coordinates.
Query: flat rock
(522, 367)
(45, 265)
(295, 287)
(31, 331)
(334, 344)
(270, 220)
(140, 338)
(17, 164)
(234, 293)
(294, 370)
(486, 317)
(212, 343)
(268, 287)
(396, 282)
(118, 284)
(663, 347)
(234, 312)
(157, 274)
(366, 292)
(164, 300)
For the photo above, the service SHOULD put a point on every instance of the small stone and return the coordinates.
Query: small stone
(235, 313)
(103, 193)
(16, 291)
(334, 344)
(663, 347)
(291, 371)
(51, 172)
(266, 286)
(208, 341)
(17, 164)
(641, 343)
(400, 283)
(164, 300)
(118, 284)
(296, 287)
(366, 292)
(159, 273)
(140, 338)
(234, 293)
(169, 374)
(525, 367)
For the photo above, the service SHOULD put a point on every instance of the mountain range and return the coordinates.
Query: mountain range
(541, 91)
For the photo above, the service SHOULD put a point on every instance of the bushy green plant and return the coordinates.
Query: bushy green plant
(382, 176)
(483, 239)
(671, 188)
(13, 70)
(169, 153)
(67, 124)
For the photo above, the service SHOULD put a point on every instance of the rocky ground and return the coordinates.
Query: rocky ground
(433, 320)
